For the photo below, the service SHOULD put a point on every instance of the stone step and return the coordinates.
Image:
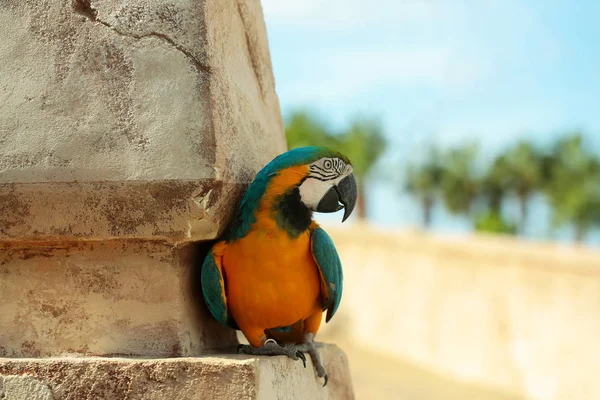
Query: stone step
(212, 377)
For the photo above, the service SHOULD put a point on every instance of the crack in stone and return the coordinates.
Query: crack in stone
(84, 7)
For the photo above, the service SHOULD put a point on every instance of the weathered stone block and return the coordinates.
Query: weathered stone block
(214, 378)
(98, 97)
(125, 298)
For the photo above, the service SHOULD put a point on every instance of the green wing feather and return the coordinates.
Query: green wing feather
(213, 290)
(329, 264)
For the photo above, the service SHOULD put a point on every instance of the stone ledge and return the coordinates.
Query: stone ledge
(214, 378)
(169, 210)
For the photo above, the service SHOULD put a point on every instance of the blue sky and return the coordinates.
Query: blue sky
(439, 70)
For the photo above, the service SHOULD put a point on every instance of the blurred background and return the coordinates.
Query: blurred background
(474, 128)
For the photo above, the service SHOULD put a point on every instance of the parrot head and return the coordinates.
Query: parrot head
(295, 184)
(329, 185)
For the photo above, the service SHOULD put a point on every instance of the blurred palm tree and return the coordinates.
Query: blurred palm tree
(425, 181)
(574, 187)
(362, 142)
(493, 222)
(523, 170)
(461, 185)
(495, 185)
(304, 128)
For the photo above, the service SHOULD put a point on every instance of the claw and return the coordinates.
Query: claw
(309, 346)
(301, 356)
(271, 348)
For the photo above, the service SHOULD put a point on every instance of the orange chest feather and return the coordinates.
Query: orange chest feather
(271, 277)
(266, 256)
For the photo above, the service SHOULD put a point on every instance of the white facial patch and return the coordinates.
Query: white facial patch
(312, 191)
(319, 182)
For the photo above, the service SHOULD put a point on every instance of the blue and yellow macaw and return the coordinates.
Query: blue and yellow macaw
(275, 271)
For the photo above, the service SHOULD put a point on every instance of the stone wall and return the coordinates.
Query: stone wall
(133, 126)
(521, 317)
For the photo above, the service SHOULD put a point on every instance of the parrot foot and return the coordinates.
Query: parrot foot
(271, 348)
(309, 347)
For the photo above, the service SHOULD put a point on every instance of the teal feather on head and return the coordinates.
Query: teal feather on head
(298, 156)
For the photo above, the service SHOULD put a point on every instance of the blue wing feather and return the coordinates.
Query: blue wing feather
(213, 290)
(329, 264)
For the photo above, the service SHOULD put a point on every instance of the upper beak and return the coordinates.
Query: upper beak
(345, 192)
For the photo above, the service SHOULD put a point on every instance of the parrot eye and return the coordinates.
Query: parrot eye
(326, 169)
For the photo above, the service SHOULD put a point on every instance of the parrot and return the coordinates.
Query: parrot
(275, 271)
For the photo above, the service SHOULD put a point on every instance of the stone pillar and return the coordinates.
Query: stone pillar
(128, 131)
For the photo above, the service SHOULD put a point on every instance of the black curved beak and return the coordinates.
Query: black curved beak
(341, 196)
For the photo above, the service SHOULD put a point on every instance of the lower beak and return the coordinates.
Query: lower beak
(343, 195)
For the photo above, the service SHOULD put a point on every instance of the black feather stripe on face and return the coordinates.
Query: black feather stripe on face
(291, 213)
(316, 168)
(321, 178)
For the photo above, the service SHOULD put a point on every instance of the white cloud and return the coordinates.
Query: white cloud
(344, 73)
(413, 43)
(435, 66)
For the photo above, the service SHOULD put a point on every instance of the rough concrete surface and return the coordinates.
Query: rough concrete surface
(23, 387)
(104, 298)
(176, 92)
(214, 378)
